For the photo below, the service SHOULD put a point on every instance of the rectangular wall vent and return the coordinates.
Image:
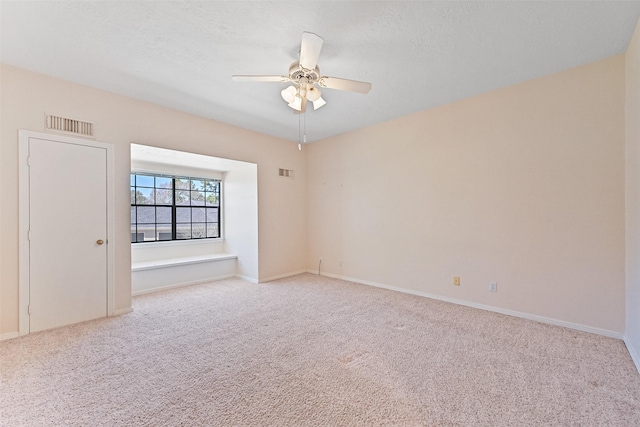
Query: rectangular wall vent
(67, 125)
(287, 173)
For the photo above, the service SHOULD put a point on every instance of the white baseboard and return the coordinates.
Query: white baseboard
(635, 356)
(180, 285)
(9, 335)
(122, 311)
(247, 278)
(282, 276)
(527, 316)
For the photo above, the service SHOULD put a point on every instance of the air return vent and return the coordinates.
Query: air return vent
(287, 173)
(67, 125)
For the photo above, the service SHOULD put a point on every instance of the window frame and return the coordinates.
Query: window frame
(174, 206)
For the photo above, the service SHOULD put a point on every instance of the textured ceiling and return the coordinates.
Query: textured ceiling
(417, 55)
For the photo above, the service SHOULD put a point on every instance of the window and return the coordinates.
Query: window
(165, 207)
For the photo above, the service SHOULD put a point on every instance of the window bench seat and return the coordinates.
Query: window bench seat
(171, 262)
(156, 275)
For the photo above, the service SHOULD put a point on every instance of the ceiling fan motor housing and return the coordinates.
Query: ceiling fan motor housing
(297, 72)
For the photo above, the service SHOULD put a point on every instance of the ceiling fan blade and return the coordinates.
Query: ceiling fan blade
(278, 79)
(310, 50)
(344, 84)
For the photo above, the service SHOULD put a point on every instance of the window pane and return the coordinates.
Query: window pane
(197, 215)
(133, 196)
(164, 182)
(148, 231)
(212, 230)
(183, 231)
(183, 215)
(183, 198)
(211, 186)
(197, 184)
(164, 197)
(197, 198)
(133, 233)
(163, 214)
(182, 184)
(212, 214)
(164, 231)
(198, 231)
(144, 196)
(146, 215)
(144, 181)
(133, 180)
(212, 199)
(133, 216)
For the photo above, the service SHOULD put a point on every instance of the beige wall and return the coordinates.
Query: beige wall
(523, 186)
(120, 120)
(632, 333)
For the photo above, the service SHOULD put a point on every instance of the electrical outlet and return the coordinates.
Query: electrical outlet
(493, 287)
(456, 281)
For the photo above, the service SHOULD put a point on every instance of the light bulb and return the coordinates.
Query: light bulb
(313, 93)
(289, 94)
(318, 103)
(296, 104)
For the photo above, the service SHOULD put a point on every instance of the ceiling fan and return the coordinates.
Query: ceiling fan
(306, 78)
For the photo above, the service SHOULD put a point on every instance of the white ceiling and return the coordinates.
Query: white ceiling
(417, 55)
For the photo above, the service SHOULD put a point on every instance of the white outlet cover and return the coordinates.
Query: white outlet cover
(493, 287)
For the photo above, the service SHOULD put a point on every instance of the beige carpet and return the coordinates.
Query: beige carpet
(308, 351)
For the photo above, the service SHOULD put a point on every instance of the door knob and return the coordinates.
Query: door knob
(100, 241)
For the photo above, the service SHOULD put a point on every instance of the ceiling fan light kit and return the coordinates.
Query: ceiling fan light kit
(306, 78)
(294, 96)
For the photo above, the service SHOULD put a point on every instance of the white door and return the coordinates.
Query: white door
(67, 233)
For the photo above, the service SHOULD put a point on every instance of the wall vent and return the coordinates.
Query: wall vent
(287, 173)
(67, 125)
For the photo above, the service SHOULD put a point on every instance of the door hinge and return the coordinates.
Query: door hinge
(29, 309)
(29, 235)
(28, 160)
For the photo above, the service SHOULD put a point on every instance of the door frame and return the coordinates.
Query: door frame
(24, 214)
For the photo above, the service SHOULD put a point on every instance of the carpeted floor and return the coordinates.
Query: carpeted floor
(307, 351)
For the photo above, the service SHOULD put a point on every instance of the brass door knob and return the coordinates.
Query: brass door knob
(100, 242)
